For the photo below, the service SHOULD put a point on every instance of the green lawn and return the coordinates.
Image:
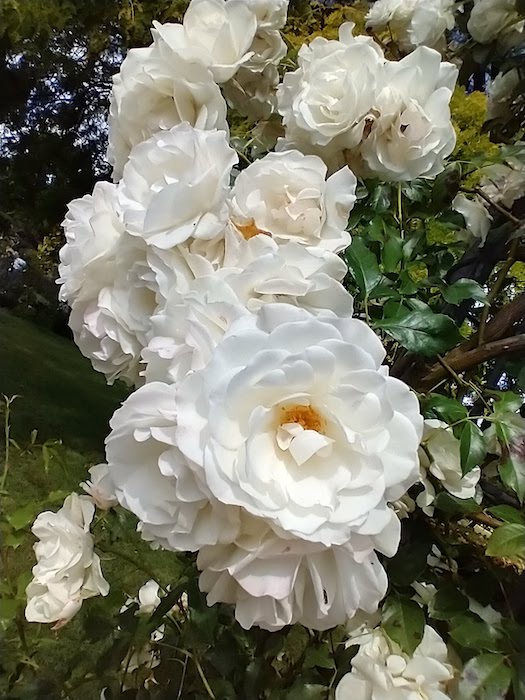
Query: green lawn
(60, 394)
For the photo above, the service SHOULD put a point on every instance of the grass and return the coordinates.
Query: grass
(61, 396)
(70, 405)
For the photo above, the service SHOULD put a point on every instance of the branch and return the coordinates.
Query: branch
(464, 360)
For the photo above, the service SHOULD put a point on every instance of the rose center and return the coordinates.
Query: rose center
(249, 230)
(306, 416)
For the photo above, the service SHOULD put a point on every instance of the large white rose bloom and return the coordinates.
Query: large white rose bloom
(154, 480)
(111, 316)
(270, 14)
(413, 22)
(380, 669)
(494, 19)
(154, 90)
(67, 569)
(92, 228)
(274, 581)
(175, 185)
(188, 327)
(286, 196)
(411, 133)
(326, 101)
(295, 420)
(218, 34)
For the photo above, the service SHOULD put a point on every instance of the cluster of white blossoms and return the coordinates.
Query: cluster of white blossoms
(264, 431)
(380, 669)
(413, 22)
(386, 119)
(67, 569)
(499, 20)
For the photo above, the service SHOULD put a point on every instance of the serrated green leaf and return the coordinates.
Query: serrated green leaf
(363, 266)
(453, 505)
(508, 514)
(472, 447)
(449, 410)
(507, 541)
(448, 602)
(422, 332)
(22, 517)
(485, 677)
(392, 252)
(404, 622)
(512, 473)
(318, 656)
(469, 631)
(464, 289)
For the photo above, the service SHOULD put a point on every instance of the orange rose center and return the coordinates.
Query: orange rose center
(249, 230)
(305, 416)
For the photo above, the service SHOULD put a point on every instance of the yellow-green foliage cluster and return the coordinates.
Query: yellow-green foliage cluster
(438, 233)
(311, 22)
(517, 274)
(47, 252)
(468, 116)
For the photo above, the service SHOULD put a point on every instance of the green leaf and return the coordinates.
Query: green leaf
(453, 505)
(508, 514)
(22, 517)
(421, 331)
(472, 447)
(507, 541)
(449, 602)
(471, 632)
(318, 656)
(512, 473)
(404, 622)
(8, 607)
(485, 677)
(449, 410)
(364, 266)
(464, 289)
(392, 252)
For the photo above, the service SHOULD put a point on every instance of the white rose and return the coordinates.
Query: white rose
(475, 213)
(275, 582)
(413, 22)
(326, 101)
(440, 456)
(252, 93)
(67, 569)
(154, 480)
(316, 438)
(218, 34)
(92, 228)
(175, 185)
(493, 19)
(412, 133)
(110, 318)
(500, 92)
(189, 326)
(270, 14)
(504, 183)
(286, 195)
(154, 90)
(100, 487)
(381, 669)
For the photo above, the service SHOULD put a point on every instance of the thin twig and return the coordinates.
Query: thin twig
(496, 288)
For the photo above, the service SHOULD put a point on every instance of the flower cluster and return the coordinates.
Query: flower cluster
(387, 119)
(413, 22)
(67, 570)
(264, 432)
(381, 669)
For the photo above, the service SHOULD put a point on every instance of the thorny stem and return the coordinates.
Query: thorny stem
(400, 210)
(183, 677)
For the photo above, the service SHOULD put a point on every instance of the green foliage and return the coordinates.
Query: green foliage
(468, 116)
(485, 677)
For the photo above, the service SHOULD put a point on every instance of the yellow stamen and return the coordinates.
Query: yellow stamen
(306, 416)
(249, 230)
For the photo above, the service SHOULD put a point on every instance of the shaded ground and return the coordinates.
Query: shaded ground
(60, 394)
